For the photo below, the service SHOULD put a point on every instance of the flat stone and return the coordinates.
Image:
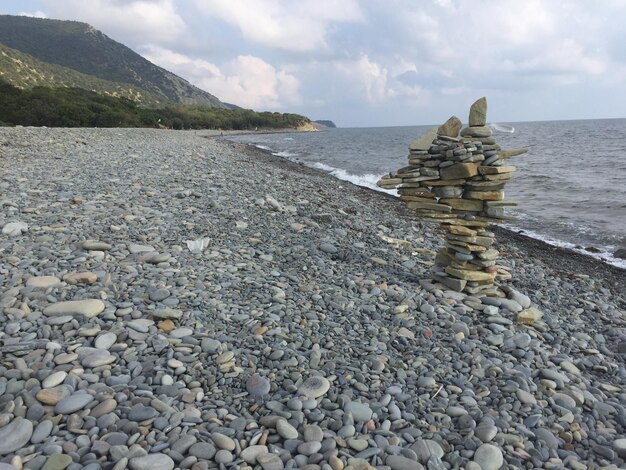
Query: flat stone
(142, 413)
(257, 385)
(166, 313)
(156, 461)
(42, 431)
(477, 131)
(100, 357)
(94, 245)
(202, 450)
(104, 407)
(250, 454)
(529, 316)
(619, 446)
(52, 396)
(222, 441)
(478, 113)
(398, 462)
(14, 229)
(459, 170)
(134, 248)
(313, 432)
(286, 430)
(73, 403)
(270, 462)
(43, 282)
(427, 448)
(106, 340)
(314, 387)
(489, 457)
(525, 397)
(80, 278)
(57, 462)
(469, 275)
(89, 308)
(486, 432)
(15, 435)
(361, 412)
(450, 128)
(224, 457)
(54, 379)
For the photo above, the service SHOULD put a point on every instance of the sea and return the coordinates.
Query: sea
(571, 185)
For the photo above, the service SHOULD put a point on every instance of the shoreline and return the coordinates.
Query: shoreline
(559, 258)
(171, 301)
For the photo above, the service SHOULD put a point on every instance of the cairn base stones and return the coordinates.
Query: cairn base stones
(456, 177)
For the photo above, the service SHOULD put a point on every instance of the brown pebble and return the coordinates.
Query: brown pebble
(167, 325)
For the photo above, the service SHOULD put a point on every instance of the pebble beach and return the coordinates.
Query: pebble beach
(172, 300)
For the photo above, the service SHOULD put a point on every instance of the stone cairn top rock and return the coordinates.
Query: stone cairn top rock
(456, 176)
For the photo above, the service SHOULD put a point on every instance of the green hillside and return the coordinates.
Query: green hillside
(80, 47)
(25, 71)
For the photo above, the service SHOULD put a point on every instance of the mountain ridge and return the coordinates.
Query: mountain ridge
(84, 49)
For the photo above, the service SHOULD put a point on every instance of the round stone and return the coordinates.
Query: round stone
(52, 396)
(100, 357)
(54, 379)
(313, 433)
(286, 430)
(489, 457)
(73, 403)
(202, 450)
(89, 308)
(142, 413)
(222, 441)
(257, 385)
(224, 457)
(152, 462)
(314, 386)
(106, 340)
(57, 462)
(15, 435)
(42, 431)
(250, 454)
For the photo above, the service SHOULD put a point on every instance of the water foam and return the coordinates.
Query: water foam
(367, 180)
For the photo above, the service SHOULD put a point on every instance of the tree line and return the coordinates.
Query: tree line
(77, 107)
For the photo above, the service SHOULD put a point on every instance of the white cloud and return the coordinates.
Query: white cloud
(295, 26)
(140, 21)
(246, 80)
(36, 14)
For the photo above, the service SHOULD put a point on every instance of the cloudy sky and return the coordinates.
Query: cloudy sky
(378, 63)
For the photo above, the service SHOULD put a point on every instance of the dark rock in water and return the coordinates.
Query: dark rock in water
(592, 249)
(620, 253)
(478, 113)
(451, 127)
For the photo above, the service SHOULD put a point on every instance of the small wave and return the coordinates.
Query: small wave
(367, 180)
(502, 128)
(285, 154)
(605, 254)
(262, 147)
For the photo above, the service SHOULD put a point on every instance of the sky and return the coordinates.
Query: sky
(378, 63)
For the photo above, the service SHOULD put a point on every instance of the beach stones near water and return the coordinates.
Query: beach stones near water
(89, 308)
(458, 181)
(315, 386)
(15, 435)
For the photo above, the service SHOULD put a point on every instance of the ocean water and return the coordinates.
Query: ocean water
(571, 185)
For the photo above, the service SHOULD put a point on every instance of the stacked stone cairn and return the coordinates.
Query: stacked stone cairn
(456, 177)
